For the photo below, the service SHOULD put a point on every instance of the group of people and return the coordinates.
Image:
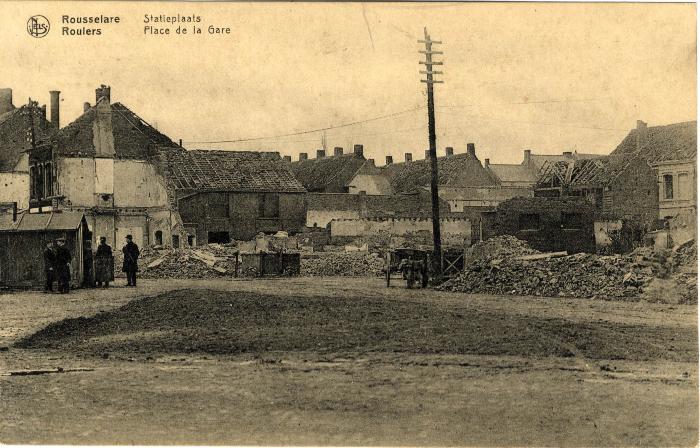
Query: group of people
(57, 259)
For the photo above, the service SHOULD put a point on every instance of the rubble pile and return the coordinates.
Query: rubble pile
(686, 255)
(687, 284)
(344, 264)
(507, 270)
(205, 262)
(504, 246)
(686, 272)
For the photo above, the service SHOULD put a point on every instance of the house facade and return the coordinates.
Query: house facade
(663, 165)
(102, 164)
(677, 180)
(221, 196)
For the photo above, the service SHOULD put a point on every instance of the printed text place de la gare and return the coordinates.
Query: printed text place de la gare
(162, 24)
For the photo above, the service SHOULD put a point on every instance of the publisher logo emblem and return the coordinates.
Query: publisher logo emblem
(38, 26)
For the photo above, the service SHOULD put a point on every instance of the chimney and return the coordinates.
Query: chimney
(337, 151)
(389, 160)
(358, 150)
(14, 212)
(55, 98)
(43, 111)
(303, 156)
(287, 158)
(370, 161)
(103, 135)
(567, 154)
(487, 162)
(641, 134)
(86, 106)
(102, 91)
(6, 101)
(471, 149)
(526, 156)
(449, 151)
(408, 157)
(320, 153)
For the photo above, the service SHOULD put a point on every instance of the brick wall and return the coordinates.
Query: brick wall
(546, 223)
(454, 231)
(238, 214)
(322, 208)
(633, 195)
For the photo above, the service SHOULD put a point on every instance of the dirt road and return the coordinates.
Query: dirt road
(344, 362)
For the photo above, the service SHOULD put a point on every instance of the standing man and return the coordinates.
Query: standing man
(63, 258)
(49, 266)
(131, 255)
(104, 266)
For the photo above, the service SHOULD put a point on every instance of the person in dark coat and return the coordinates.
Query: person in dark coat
(50, 266)
(104, 269)
(131, 256)
(63, 259)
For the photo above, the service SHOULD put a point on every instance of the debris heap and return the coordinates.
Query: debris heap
(511, 268)
(505, 246)
(350, 264)
(204, 262)
(686, 272)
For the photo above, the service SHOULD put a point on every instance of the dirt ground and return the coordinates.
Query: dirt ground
(330, 361)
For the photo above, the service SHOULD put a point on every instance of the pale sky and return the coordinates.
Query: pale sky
(547, 77)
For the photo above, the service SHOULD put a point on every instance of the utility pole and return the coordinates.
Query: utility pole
(429, 81)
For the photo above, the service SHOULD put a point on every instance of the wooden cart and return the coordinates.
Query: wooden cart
(413, 264)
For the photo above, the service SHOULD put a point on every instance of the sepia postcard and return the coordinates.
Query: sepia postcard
(348, 224)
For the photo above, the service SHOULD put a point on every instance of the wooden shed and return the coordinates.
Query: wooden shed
(23, 239)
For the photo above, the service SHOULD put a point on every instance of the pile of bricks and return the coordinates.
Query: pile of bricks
(504, 246)
(580, 275)
(686, 272)
(205, 262)
(344, 264)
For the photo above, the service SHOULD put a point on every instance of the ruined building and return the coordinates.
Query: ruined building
(102, 165)
(128, 178)
(22, 129)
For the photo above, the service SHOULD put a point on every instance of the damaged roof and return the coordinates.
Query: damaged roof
(676, 141)
(134, 138)
(239, 171)
(460, 170)
(14, 127)
(653, 144)
(329, 174)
